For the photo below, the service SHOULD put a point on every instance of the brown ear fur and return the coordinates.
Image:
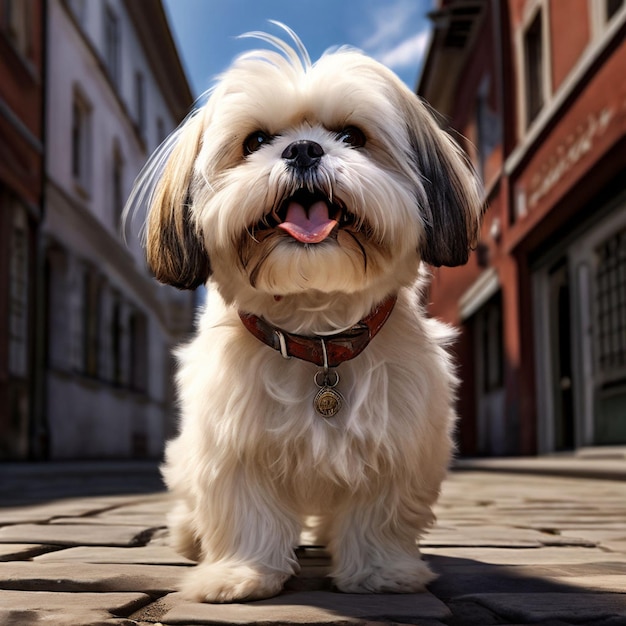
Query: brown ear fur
(454, 206)
(174, 249)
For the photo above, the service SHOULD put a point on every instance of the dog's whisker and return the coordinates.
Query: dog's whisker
(361, 248)
(251, 235)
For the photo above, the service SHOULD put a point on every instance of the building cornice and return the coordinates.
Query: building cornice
(455, 28)
(479, 293)
(580, 75)
(106, 246)
(18, 125)
(154, 33)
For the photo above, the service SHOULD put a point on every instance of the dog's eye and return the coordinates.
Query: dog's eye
(255, 140)
(352, 136)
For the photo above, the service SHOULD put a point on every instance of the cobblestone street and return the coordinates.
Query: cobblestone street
(509, 549)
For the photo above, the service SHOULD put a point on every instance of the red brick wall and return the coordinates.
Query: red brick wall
(570, 32)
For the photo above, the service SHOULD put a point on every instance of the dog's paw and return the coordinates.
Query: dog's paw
(223, 582)
(406, 576)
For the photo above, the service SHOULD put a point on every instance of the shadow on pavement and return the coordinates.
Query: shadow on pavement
(37, 483)
(479, 593)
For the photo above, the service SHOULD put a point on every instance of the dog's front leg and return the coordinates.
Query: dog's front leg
(247, 538)
(374, 544)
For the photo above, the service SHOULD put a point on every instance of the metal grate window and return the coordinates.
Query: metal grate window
(611, 307)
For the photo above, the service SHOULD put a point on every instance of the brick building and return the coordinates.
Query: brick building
(537, 88)
(21, 185)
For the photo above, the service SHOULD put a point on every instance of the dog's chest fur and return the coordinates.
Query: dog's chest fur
(253, 402)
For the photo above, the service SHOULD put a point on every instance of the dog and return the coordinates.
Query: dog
(311, 197)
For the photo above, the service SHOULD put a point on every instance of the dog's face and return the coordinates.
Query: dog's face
(297, 177)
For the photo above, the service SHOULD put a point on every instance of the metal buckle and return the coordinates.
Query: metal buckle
(282, 344)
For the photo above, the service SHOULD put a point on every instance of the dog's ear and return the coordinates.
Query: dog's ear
(453, 206)
(174, 248)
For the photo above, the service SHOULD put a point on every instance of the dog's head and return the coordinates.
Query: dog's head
(295, 176)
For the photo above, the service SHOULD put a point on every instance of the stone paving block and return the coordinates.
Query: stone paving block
(523, 580)
(145, 521)
(71, 507)
(498, 537)
(45, 512)
(71, 534)
(160, 537)
(539, 556)
(453, 567)
(542, 607)
(574, 524)
(145, 555)
(482, 536)
(576, 569)
(66, 577)
(565, 514)
(469, 612)
(21, 551)
(311, 607)
(452, 586)
(615, 546)
(598, 535)
(160, 504)
(614, 583)
(557, 540)
(67, 609)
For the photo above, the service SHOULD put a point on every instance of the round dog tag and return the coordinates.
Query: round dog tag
(328, 402)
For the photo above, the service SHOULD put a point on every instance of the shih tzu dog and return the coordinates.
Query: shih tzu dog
(317, 390)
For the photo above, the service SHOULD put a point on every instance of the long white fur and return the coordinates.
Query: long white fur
(253, 459)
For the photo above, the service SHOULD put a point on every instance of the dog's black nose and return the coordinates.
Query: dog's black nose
(303, 153)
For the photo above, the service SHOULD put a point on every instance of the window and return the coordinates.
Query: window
(117, 339)
(612, 7)
(57, 307)
(491, 345)
(160, 131)
(140, 103)
(112, 44)
(18, 293)
(138, 336)
(487, 126)
(117, 187)
(533, 66)
(91, 322)
(79, 9)
(81, 142)
(15, 23)
(611, 308)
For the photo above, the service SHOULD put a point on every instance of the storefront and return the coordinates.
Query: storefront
(569, 229)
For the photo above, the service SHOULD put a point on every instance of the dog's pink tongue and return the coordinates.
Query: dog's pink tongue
(313, 228)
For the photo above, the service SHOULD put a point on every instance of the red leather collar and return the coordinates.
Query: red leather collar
(339, 348)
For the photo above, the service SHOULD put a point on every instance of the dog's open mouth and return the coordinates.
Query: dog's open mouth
(308, 217)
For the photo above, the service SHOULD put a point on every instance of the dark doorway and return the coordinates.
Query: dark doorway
(561, 356)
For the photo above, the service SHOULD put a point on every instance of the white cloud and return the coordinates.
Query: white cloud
(406, 53)
(395, 32)
(389, 23)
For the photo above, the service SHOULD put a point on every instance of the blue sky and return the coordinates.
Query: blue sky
(395, 32)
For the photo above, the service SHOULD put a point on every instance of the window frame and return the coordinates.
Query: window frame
(534, 10)
(81, 142)
(112, 41)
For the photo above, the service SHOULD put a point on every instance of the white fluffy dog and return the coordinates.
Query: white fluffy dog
(308, 195)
